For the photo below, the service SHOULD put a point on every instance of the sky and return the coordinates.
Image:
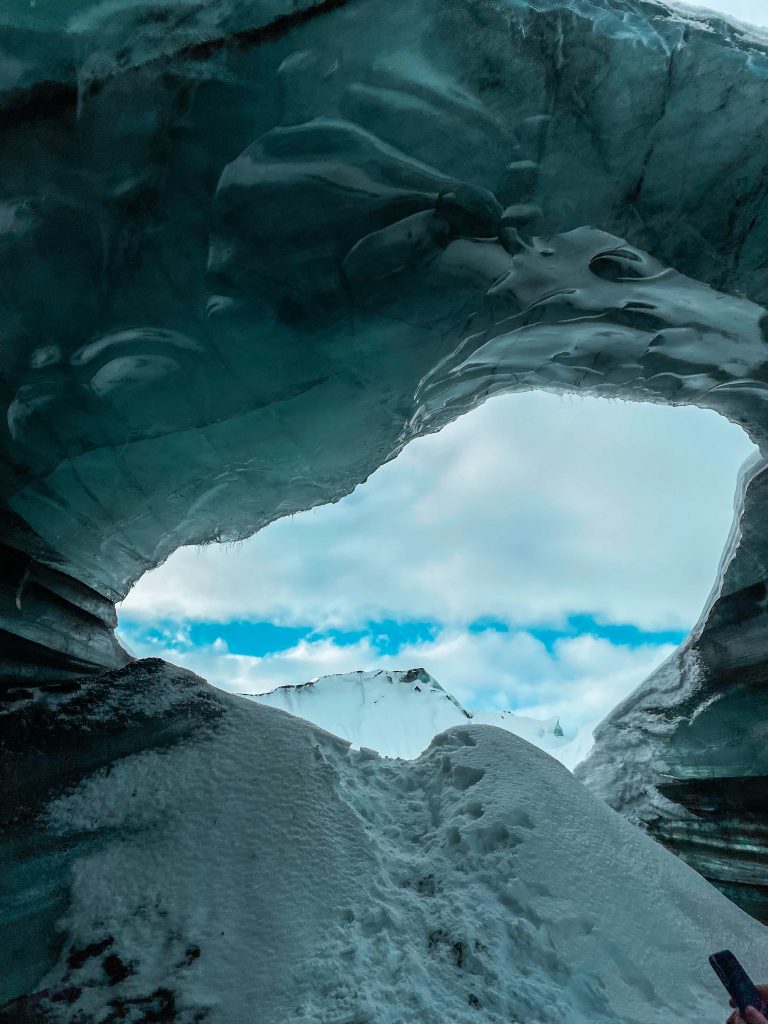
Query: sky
(542, 553)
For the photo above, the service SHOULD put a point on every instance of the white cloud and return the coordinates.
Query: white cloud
(530, 509)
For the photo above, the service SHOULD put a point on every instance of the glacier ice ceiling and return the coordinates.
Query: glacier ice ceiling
(248, 252)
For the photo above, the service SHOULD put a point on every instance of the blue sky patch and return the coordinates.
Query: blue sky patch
(388, 636)
(258, 639)
(623, 634)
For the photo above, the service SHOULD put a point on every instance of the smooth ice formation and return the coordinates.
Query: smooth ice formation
(256, 868)
(249, 251)
(397, 714)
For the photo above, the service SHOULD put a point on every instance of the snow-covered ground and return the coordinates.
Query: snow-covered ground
(397, 714)
(259, 869)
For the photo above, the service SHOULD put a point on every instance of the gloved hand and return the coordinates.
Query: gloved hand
(750, 1016)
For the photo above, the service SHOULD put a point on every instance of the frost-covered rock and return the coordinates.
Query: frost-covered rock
(398, 713)
(248, 251)
(205, 858)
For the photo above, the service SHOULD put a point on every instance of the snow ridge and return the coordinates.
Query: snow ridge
(260, 869)
(397, 713)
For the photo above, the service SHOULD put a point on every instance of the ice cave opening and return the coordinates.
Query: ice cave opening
(537, 598)
(248, 254)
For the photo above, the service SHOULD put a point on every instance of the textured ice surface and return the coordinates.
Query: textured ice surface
(685, 755)
(248, 251)
(397, 714)
(252, 867)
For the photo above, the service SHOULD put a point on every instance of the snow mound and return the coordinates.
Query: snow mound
(397, 713)
(259, 869)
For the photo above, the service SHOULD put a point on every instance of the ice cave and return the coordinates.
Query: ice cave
(248, 251)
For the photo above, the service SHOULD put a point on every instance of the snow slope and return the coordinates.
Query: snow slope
(258, 869)
(397, 713)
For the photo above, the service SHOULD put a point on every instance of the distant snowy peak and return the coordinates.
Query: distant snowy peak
(397, 713)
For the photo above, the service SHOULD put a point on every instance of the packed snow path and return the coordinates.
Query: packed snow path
(241, 865)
